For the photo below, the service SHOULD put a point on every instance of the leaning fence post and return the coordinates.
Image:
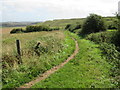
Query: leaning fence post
(18, 51)
(36, 47)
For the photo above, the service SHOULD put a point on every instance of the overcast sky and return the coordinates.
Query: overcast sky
(41, 10)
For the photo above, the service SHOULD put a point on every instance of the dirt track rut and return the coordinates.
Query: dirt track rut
(51, 71)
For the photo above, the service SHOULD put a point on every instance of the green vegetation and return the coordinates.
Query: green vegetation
(33, 29)
(73, 28)
(37, 28)
(71, 23)
(110, 45)
(118, 17)
(111, 22)
(62, 22)
(93, 23)
(108, 37)
(95, 66)
(89, 69)
(18, 30)
(113, 25)
(54, 49)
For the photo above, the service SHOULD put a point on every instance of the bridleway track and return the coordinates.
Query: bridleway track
(52, 70)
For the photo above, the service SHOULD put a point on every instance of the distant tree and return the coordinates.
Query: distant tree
(93, 23)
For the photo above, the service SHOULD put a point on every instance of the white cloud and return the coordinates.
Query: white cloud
(63, 8)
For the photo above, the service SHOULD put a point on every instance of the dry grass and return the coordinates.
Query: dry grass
(6, 30)
(8, 40)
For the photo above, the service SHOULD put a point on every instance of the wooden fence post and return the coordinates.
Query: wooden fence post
(36, 47)
(18, 51)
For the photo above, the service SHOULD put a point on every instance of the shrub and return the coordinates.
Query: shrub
(73, 27)
(67, 26)
(17, 30)
(112, 27)
(34, 29)
(112, 24)
(93, 23)
(108, 37)
(37, 28)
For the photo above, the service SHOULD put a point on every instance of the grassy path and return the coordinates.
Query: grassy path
(51, 71)
(88, 69)
(54, 49)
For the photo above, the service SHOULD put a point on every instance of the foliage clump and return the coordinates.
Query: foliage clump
(93, 23)
(73, 27)
(112, 24)
(37, 28)
(107, 37)
(16, 30)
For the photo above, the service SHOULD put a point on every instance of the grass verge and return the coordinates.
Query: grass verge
(89, 69)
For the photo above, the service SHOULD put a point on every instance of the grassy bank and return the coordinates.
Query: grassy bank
(55, 47)
(89, 69)
(109, 43)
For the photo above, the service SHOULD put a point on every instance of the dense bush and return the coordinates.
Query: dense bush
(73, 27)
(112, 24)
(108, 37)
(93, 23)
(17, 30)
(34, 29)
(37, 28)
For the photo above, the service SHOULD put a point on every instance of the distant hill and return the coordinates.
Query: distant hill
(61, 23)
(16, 24)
